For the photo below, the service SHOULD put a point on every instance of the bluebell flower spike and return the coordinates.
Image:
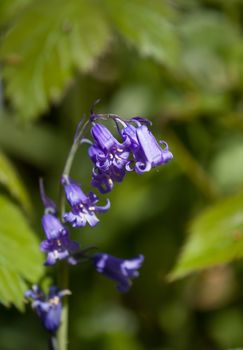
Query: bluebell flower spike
(120, 270)
(48, 307)
(83, 207)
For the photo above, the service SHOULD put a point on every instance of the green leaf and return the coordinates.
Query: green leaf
(227, 177)
(20, 257)
(48, 41)
(146, 26)
(216, 237)
(12, 287)
(10, 8)
(10, 179)
(208, 40)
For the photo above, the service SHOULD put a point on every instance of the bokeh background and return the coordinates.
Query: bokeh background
(178, 63)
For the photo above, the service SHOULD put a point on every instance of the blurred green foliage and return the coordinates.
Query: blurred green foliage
(20, 256)
(179, 63)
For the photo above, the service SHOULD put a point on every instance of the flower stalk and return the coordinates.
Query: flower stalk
(63, 273)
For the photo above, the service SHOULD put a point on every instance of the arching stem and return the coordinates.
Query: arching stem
(63, 273)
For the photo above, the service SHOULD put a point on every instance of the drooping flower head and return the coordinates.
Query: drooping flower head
(109, 157)
(57, 245)
(83, 208)
(48, 308)
(120, 270)
(146, 151)
(139, 151)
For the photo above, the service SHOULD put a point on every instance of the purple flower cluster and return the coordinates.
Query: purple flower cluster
(109, 157)
(133, 149)
(137, 151)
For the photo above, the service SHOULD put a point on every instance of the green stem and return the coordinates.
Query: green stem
(63, 273)
(62, 335)
(52, 342)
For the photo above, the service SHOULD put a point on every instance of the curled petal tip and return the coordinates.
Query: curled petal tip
(50, 206)
(64, 292)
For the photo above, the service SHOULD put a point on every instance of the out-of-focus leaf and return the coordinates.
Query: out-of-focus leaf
(190, 166)
(229, 177)
(39, 145)
(146, 26)
(225, 328)
(20, 257)
(10, 8)
(50, 39)
(236, 67)
(132, 100)
(190, 105)
(208, 39)
(10, 178)
(216, 237)
(109, 319)
(12, 287)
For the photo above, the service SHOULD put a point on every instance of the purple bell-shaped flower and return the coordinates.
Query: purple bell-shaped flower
(58, 244)
(48, 308)
(83, 208)
(147, 152)
(109, 157)
(120, 270)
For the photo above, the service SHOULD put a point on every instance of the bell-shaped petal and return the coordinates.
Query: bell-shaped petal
(48, 307)
(147, 152)
(58, 245)
(83, 208)
(153, 153)
(120, 270)
(52, 226)
(103, 137)
(109, 157)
